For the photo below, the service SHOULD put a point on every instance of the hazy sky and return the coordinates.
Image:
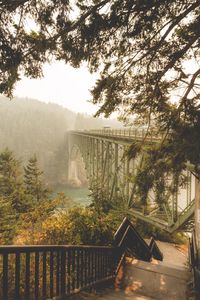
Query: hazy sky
(61, 84)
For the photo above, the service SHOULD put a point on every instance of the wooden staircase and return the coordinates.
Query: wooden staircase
(65, 272)
(144, 278)
(146, 281)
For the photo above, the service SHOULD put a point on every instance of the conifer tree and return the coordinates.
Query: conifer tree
(12, 198)
(9, 173)
(7, 221)
(11, 184)
(33, 180)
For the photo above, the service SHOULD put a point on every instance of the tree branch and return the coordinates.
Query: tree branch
(190, 87)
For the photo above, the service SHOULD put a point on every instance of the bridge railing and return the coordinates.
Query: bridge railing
(126, 132)
(53, 272)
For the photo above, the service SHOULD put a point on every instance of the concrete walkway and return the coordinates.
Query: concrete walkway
(174, 255)
(111, 294)
(118, 295)
(166, 280)
(157, 281)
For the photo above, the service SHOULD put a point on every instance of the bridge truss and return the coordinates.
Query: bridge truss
(111, 173)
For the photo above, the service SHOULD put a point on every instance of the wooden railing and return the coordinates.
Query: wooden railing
(53, 272)
(130, 241)
(56, 272)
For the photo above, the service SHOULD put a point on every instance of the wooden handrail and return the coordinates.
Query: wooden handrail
(155, 251)
(36, 248)
(54, 272)
(130, 240)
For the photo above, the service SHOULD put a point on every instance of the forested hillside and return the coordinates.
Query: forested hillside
(29, 127)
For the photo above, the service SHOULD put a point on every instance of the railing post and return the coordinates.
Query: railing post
(17, 275)
(27, 277)
(51, 274)
(69, 264)
(5, 276)
(44, 283)
(58, 273)
(63, 273)
(36, 275)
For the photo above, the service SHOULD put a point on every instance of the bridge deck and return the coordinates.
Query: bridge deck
(120, 136)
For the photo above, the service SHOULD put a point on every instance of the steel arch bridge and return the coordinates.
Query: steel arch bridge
(109, 170)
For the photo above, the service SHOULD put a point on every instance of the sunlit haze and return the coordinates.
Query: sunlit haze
(61, 84)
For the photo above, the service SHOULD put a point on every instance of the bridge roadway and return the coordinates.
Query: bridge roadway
(111, 174)
(120, 136)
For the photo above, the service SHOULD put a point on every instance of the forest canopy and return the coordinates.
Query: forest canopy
(147, 53)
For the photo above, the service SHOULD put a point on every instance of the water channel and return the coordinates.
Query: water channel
(79, 195)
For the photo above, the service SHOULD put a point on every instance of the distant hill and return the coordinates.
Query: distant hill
(30, 127)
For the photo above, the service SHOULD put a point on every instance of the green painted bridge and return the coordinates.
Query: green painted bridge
(111, 174)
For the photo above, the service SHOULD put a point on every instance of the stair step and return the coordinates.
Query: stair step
(155, 280)
(121, 295)
(113, 295)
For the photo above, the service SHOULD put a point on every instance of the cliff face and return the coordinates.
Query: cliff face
(77, 174)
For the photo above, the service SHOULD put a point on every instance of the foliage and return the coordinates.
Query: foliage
(10, 179)
(32, 180)
(7, 221)
(103, 203)
(100, 199)
(148, 230)
(12, 202)
(31, 221)
(78, 226)
(148, 54)
(23, 206)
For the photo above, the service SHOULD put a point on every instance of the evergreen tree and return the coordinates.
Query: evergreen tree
(7, 221)
(12, 199)
(9, 174)
(23, 205)
(33, 180)
(11, 184)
